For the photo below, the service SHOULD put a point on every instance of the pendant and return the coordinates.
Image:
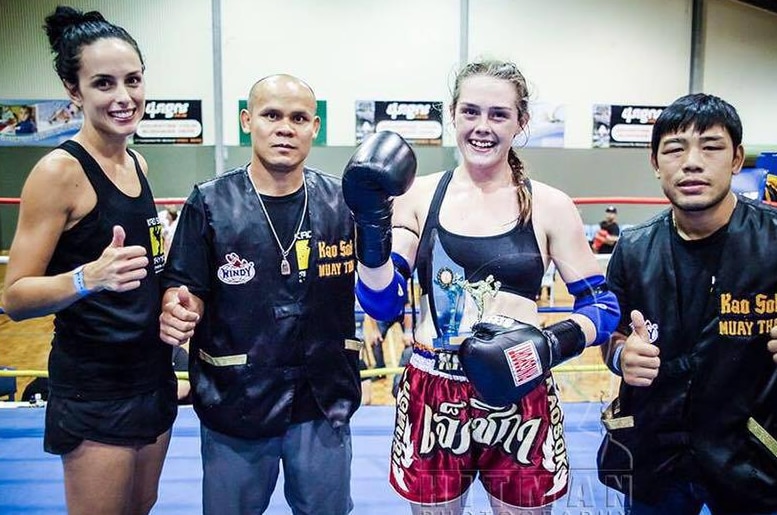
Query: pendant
(285, 266)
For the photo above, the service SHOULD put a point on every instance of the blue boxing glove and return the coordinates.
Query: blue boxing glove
(506, 359)
(383, 167)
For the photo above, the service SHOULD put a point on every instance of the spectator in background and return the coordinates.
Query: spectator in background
(169, 225)
(376, 332)
(609, 232)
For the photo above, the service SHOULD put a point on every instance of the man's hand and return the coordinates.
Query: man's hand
(639, 358)
(772, 345)
(180, 315)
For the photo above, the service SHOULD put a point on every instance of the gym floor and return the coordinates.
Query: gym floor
(31, 480)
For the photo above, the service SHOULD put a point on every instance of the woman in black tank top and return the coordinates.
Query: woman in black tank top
(88, 249)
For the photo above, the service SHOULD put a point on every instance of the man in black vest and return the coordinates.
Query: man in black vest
(694, 422)
(260, 276)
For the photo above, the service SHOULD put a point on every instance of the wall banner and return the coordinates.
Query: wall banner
(170, 122)
(38, 122)
(623, 125)
(419, 122)
(547, 124)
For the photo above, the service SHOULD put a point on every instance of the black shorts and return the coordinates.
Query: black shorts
(132, 422)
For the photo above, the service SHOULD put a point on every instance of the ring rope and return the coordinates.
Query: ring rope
(365, 374)
(576, 200)
(163, 200)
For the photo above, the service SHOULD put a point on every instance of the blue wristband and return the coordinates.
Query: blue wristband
(615, 363)
(384, 305)
(78, 282)
(594, 301)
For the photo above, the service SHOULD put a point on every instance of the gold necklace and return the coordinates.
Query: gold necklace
(285, 266)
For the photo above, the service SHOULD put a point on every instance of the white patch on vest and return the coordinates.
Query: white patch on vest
(236, 270)
(652, 330)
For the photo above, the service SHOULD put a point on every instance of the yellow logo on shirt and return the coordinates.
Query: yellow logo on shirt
(157, 244)
(335, 259)
(744, 316)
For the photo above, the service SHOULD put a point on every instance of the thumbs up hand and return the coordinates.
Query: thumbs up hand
(118, 237)
(181, 311)
(639, 359)
(118, 268)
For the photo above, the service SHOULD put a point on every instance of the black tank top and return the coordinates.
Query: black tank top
(107, 344)
(453, 267)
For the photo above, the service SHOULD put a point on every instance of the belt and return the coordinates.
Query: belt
(439, 362)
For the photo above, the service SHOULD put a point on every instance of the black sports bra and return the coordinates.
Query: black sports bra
(513, 258)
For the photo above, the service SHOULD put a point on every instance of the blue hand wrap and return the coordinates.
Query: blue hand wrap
(594, 301)
(386, 304)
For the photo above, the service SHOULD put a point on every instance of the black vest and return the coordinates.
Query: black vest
(713, 405)
(258, 337)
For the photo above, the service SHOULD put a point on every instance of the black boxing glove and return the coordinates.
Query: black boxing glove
(506, 359)
(382, 167)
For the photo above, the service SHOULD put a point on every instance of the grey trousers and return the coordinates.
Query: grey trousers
(239, 475)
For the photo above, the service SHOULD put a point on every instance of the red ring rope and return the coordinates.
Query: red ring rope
(578, 200)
